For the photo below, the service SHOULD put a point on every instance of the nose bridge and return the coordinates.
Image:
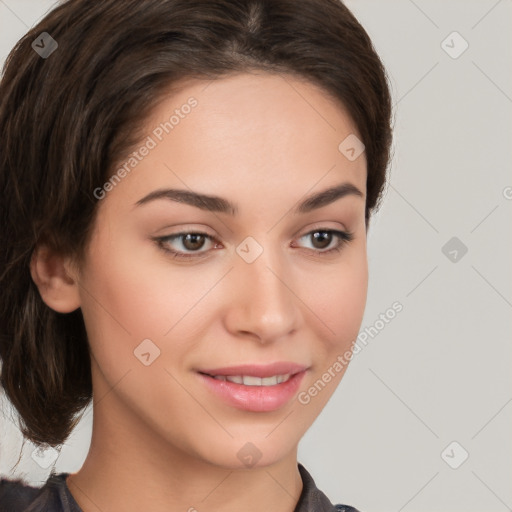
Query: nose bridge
(263, 298)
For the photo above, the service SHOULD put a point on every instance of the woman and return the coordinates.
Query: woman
(187, 190)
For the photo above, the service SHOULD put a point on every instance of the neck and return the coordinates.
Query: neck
(131, 468)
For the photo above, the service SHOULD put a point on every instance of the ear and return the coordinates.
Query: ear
(55, 278)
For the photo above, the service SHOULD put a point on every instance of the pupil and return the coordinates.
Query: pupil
(322, 236)
(194, 238)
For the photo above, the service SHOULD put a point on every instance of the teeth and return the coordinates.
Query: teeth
(235, 378)
(249, 380)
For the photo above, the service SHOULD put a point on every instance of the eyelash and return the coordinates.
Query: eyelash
(344, 237)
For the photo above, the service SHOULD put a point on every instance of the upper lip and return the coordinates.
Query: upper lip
(258, 370)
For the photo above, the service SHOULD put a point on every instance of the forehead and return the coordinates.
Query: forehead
(271, 135)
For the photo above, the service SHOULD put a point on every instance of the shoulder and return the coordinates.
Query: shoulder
(345, 508)
(313, 499)
(16, 495)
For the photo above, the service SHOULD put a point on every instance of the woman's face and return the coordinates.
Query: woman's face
(261, 286)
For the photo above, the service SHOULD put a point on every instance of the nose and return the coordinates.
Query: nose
(262, 301)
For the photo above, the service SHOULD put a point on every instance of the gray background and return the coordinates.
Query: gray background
(438, 372)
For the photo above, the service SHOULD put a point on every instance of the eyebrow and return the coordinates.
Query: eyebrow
(221, 205)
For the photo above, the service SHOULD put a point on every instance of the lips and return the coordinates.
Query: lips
(256, 388)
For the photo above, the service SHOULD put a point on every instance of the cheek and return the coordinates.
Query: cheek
(134, 293)
(338, 299)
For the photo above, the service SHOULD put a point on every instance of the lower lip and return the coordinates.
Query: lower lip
(255, 398)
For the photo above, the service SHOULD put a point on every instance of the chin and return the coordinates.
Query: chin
(242, 453)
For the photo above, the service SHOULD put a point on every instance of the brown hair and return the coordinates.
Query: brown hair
(66, 118)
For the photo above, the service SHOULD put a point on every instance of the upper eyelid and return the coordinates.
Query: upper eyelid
(317, 226)
(214, 239)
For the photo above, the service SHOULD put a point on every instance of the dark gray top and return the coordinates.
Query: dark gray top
(54, 496)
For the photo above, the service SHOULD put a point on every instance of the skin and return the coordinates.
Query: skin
(161, 440)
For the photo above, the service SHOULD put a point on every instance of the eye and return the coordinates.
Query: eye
(193, 242)
(189, 241)
(323, 238)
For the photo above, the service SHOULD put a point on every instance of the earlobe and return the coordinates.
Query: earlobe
(57, 284)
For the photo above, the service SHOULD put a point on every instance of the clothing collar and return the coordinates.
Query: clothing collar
(311, 498)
